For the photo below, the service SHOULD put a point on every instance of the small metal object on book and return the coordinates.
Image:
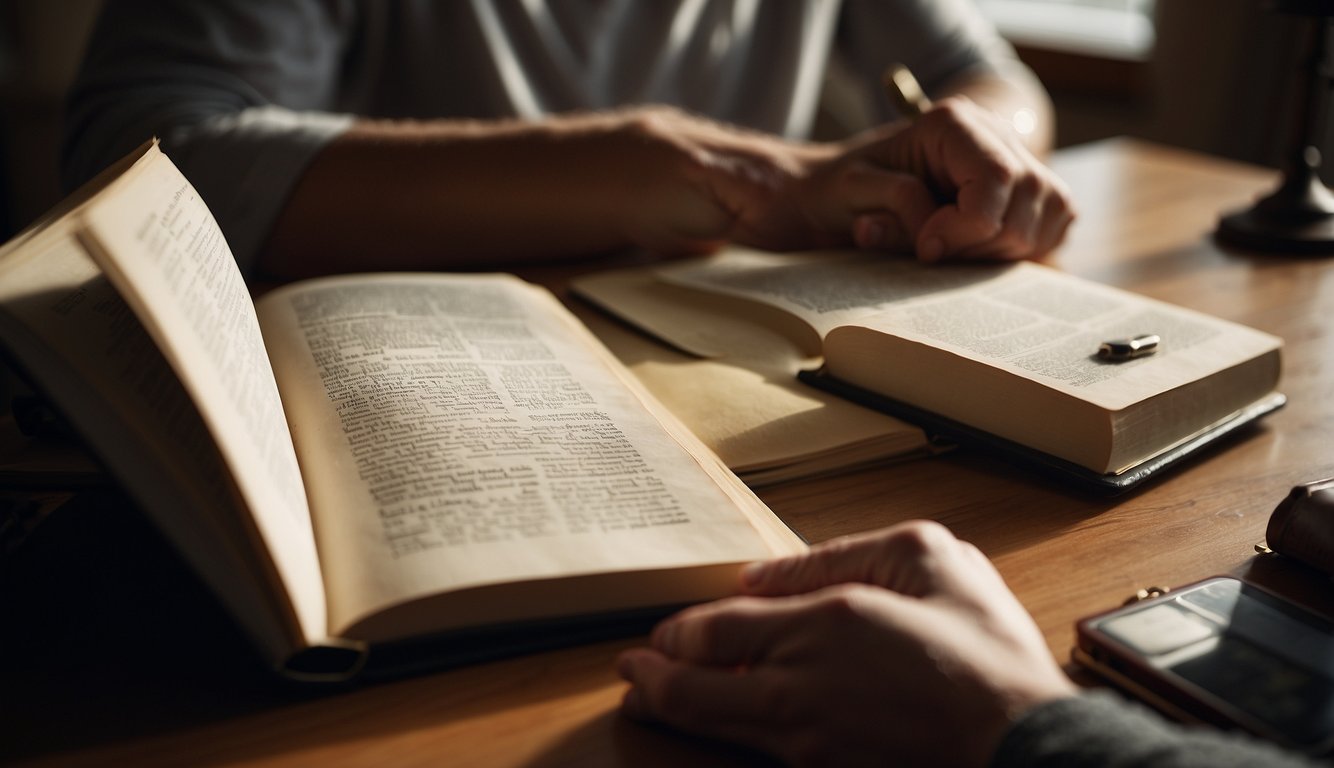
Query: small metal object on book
(1129, 349)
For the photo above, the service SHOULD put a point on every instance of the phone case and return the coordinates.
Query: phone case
(1146, 663)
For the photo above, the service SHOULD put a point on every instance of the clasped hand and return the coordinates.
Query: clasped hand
(902, 646)
(955, 183)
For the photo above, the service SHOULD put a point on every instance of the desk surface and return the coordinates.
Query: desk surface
(114, 655)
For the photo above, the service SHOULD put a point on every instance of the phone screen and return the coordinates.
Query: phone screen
(1258, 660)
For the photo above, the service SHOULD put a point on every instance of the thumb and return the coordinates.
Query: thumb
(887, 209)
(907, 558)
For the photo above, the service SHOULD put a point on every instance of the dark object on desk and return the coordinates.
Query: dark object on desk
(1302, 525)
(1298, 217)
(941, 429)
(1223, 652)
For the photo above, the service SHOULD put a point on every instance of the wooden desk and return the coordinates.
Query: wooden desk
(149, 672)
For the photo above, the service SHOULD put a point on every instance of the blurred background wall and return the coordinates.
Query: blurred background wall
(1210, 75)
(41, 42)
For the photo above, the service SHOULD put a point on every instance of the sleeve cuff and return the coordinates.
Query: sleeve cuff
(1101, 729)
(245, 165)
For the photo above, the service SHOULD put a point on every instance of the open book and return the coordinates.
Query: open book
(370, 461)
(734, 384)
(1005, 354)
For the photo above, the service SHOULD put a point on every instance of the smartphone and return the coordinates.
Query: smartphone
(1224, 652)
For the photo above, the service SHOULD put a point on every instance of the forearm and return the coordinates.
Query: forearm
(471, 194)
(396, 195)
(467, 194)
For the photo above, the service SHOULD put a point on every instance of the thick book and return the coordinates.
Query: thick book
(410, 467)
(1001, 355)
(733, 380)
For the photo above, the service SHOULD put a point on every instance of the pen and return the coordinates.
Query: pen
(905, 91)
(911, 101)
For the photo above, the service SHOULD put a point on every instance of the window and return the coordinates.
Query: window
(1111, 29)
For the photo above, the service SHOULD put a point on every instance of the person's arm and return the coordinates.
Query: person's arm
(463, 194)
(897, 647)
(443, 194)
(457, 193)
(299, 192)
(1102, 730)
(240, 92)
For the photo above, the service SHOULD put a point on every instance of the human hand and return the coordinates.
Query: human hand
(995, 199)
(955, 183)
(904, 645)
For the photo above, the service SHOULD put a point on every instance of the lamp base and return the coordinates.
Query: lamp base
(1297, 218)
(1252, 230)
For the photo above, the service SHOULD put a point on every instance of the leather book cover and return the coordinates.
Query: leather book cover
(1302, 525)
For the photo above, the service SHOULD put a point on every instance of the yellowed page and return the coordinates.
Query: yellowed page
(1044, 325)
(1031, 321)
(77, 340)
(157, 242)
(738, 390)
(825, 289)
(1004, 347)
(461, 431)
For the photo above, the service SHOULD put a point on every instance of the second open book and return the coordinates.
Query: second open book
(1004, 354)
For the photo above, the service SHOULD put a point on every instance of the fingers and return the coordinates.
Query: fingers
(718, 703)
(733, 632)
(796, 659)
(890, 207)
(997, 200)
(908, 558)
(1034, 223)
(717, 669)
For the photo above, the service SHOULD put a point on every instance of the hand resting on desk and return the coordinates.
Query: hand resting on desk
(902, 643)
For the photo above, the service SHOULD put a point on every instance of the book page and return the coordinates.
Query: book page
(1024, 318)
(825, 289)
(157, 242)
(1044, 325)
(461, 431)
(83, 348)
(743, 400)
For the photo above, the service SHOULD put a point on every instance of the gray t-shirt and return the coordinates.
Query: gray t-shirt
(1100, 730)
(243, 93)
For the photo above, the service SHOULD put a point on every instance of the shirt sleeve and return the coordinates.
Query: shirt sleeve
(938, 40)
(207, 78)
(1100, 730)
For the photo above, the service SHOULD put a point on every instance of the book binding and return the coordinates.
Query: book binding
(940, 428)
